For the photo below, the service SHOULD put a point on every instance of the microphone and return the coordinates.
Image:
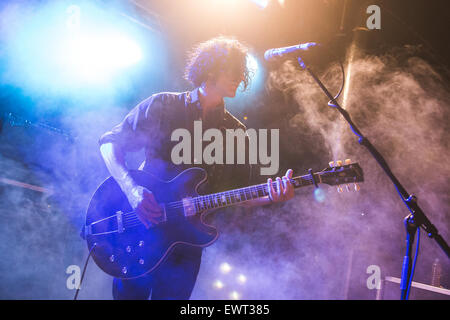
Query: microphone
(273, 54)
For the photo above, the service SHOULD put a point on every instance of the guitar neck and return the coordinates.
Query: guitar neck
(237, 196)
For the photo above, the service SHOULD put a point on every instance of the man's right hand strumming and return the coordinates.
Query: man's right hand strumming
(144, 204)
(140, 198)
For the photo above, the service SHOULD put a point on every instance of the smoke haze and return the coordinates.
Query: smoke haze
(306, 249)
(303, 249)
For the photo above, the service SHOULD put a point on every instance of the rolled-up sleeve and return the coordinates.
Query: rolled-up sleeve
(138, 126)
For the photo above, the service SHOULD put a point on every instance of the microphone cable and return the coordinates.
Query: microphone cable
(330, 103)
(84, 270)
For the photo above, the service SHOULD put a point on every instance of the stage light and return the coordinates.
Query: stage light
(126, 51)
(256, 72)
(218, 284)
(78, 50)
(241, 279)
(234, 295)
(228, 3)
(252, 64)
(251, 94)
(96, 58)
(256, 77)
(225, 268)
(319, 195)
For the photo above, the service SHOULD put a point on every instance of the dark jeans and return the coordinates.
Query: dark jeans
(174, 279)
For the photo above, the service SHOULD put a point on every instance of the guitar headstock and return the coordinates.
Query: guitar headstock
(338, 173)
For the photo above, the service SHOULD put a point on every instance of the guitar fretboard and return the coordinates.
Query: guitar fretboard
(236, 196)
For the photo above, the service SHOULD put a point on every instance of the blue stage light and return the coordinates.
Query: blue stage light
(319, 195)
(252, 64)
(256, 74)
(251, 94)
(63, 49)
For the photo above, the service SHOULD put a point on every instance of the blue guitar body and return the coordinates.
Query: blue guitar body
(124, 248)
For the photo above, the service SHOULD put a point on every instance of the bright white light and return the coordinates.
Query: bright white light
(218, 284)
(62, 48)
(234, 295)
(241, 279)
(261, 3)
(226, 2)
(96, 57)
(252, 64)
(319, 195)
(225, 267)
(126, 51)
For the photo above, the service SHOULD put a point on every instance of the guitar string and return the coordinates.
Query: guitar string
(131, 217)
(207, 199)
(202, 202)
(133, 221)
(202, 198)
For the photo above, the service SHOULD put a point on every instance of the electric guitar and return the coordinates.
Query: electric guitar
(121, 245)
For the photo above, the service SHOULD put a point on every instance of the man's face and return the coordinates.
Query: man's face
(227, 83)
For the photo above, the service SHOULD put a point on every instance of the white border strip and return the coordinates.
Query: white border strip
(421, 286)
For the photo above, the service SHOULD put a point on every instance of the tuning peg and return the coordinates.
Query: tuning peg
(347, 161)
(339, 189)
(339, 163)
(331, 164)
(356, 187)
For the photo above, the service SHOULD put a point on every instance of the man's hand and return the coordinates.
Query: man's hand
(144, 204)
(284, 188)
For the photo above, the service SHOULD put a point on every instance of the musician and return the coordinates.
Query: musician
(215, 68)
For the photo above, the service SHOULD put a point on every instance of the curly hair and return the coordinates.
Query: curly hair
(216, 55)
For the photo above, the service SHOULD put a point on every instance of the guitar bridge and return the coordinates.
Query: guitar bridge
(87, 229)
(120, 227)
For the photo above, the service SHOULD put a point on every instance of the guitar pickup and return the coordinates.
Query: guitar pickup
(189, 207)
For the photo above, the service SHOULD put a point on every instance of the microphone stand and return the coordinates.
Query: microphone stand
(416, 218)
